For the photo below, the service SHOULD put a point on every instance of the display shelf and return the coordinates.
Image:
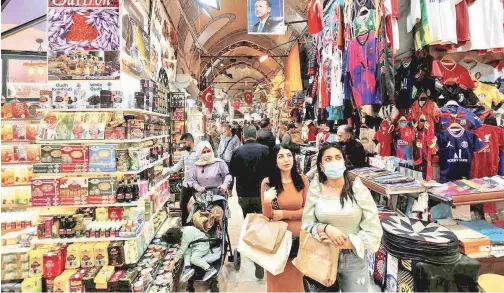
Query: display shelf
(101, 141)
(384, 190)
(16, 185)
(470, 198)
(20, 120)
(111, 172)
(27, 164)
(36, 241)
(8, 249)
(19, 141)
(131, 110)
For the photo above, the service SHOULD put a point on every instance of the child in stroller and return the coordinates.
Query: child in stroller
(197, 254)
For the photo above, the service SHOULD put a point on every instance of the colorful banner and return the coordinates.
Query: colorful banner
(207, 99)
(249, 97)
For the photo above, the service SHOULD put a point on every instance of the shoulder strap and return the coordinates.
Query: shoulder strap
(225, 148)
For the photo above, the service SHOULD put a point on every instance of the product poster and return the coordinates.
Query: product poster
(82, 65)
(135, 53)
(266, 17)
(161, 50)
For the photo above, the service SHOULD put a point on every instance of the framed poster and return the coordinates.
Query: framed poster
(266, 17)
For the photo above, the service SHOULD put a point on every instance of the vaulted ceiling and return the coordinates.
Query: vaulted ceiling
(225, 34)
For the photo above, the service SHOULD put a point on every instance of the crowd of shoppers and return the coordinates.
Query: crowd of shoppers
(331, 207)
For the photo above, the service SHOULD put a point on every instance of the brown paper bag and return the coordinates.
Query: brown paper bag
(264, 234)
(317, 260)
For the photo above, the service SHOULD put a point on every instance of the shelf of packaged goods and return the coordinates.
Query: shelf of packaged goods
(101, 141)
(16, 185)
(27, 164)
(14, 120)
(138, 111)
(10, 249)
(18, 141)
(111, 172)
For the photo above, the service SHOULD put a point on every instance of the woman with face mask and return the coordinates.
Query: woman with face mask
(209, 172)
(283, 196)
(343, 214)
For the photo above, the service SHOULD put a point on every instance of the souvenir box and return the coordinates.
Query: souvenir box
(7, 132)
(117, 133)
(102, 158)
(63, 96)
(119, 101)
(20, 153)
(47, 168)
(7, 153)
(45, 191)
(80, 127)
(64, 126)
(74, 168)
(113, 283)
(32, 131)
(18, 109)
(74, 154)
(101, 190)
(19, 131)
(73, 190)
(97, 122)
(101, 280)
(33, 153)
(50, 154)
(31, 110)
(45, 99)
(88, 280)
(76, 281)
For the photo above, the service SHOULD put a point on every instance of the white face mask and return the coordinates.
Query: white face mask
(206, 157)
(334, 170)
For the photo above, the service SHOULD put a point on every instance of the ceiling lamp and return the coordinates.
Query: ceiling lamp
(31, 70)
(41, 70)
(263, 58)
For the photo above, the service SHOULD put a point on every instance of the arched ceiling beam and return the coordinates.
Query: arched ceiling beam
(237, 64)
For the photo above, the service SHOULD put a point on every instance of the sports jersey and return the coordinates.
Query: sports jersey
(453, 74)
(384, 137)
(423, 35)
(403, 142)
(482, 72)
(428, 108)
(486, 161)
(451, 114)
(362, 67)
(455, 149)
(463, 97)
(424, 146)
(315, 14)
(488, 95)
(442, 21)
(463, 34)
(404, 80)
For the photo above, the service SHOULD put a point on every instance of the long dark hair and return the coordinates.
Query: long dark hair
(275, 178)
(347, 187)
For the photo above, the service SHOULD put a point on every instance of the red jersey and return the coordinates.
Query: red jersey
(486, 162)
(312, 133)
(453, 74)
(384, 137)
(315, 15)
(424, 147)
(429, 109)
(404, 142)
(462, 14)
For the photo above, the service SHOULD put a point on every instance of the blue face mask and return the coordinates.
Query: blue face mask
(403, 124)
(334, 170)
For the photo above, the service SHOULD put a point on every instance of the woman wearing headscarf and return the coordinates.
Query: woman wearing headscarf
(209, 172)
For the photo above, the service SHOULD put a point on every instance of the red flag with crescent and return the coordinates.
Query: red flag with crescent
(236, 104)
(207, 98)
(248, 98)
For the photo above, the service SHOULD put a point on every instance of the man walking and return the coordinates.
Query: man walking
(228, 144)
(265, 136)
(187, 163)
(250, 164)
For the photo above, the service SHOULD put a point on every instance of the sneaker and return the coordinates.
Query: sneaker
(259, 272)
(209, 274)
(188, 273)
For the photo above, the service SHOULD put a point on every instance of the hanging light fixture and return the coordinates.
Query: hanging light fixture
(263, 58)
(41, 70)
(31, 70)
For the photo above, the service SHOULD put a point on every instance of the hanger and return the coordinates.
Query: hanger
(452, 103)
(406, 61)
(455, 125)
(469, 59)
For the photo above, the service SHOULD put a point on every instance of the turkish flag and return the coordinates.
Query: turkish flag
(248, 98)
(236, 104)
(207, 98)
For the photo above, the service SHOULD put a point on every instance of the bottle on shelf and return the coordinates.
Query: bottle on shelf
(136, 189)
(120, 192)
(128, 195)
(62, 226)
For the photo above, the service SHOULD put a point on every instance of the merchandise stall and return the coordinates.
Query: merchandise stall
(86, 194)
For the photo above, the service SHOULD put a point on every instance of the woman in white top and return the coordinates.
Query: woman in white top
(344, 214)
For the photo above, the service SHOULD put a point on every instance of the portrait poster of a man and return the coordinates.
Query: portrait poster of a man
(266, 17)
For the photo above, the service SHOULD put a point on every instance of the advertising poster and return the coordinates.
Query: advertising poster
(161, 51)
(135, 53)
(266, 17)
(83, 38)
(79, 65)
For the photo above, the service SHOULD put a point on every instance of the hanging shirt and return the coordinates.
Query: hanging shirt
(404, 79)
(315, 14)
(451, 114)
(485, 25)
(453, 74)
(464, 97)
(455, 149)
(366, 136)
(482, 72)
(428, 108)
(423, 35)
(488, 95)
(403, 142)
(424, 147)
(442, 21)
(486, 161)
(462, 17)
(362, 64)
(384, 137)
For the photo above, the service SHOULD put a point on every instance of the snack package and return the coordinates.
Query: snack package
(7, 132)
(73, 256)
(19, 131)
(102, 158)
(101, 253)
(63, 96)
(87, 255)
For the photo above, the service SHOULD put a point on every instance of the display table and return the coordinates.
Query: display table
(367, 180)
(467, 192)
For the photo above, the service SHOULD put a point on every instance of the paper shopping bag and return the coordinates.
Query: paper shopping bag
(274, 263)
(263, 234)
(317, 260)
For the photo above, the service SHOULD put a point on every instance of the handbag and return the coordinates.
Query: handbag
(317, 260)
(274, 263)
(295, 240)
(263, 234)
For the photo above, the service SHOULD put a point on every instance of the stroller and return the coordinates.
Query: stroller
(220, 244)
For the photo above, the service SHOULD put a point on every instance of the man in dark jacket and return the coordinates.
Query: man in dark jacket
(249, 165)
(353, 148)
(267, 23)
(265, 136)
